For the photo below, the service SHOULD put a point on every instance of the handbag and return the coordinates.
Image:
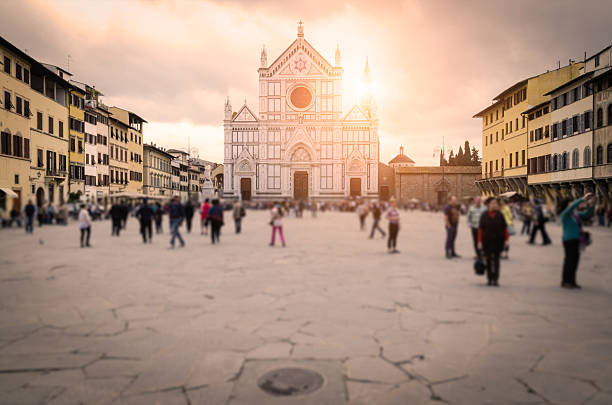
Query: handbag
(479, 266)
(511, 230)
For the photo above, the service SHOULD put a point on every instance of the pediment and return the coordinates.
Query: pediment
(245, 115)
(356, 114)
(316, 63)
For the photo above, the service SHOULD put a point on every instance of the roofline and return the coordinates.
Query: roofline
(599, 53)
(158, 150)
(289, 47)
(480, 114)
(574, 80)
(511, 88)
(535, 107)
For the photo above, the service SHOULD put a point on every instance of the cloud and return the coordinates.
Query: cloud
(434, 63)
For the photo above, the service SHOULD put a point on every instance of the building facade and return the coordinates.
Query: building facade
(118, 161)
(134, 125)
(76, 111)
(157, 171)
(180, 173)
(102, 153)
(301, 145)
(601, 66)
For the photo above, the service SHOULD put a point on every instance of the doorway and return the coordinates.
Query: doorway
(355, 187)
(384, 193)
(442, 197)
(245, 188)
(40, 197)
(300, 185)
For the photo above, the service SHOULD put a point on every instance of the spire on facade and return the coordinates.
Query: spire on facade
(264, 57)
(338, 58)
(300, 29)
(367, 77)
(401, 149)
(228, 109)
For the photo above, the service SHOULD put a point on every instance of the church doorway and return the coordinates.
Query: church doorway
(245, 188)
(300, 185)
(355, 187)
(442, 197)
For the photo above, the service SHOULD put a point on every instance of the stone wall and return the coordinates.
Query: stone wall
(433, 185)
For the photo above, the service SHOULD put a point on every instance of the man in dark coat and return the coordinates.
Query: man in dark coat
(189, 214)
(145, 216)
(30, 212)
(116, 214)
(539, 224)
(176, 212)
(492, 239)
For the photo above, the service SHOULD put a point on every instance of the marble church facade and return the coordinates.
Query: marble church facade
(302, 144)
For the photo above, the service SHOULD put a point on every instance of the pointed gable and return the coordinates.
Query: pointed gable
(303, 47)
(356, 114)
(245, 115)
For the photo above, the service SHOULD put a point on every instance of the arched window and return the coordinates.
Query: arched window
(610, 114)
(599, 117)
(599, 155)
(575, 159)
(609, 159)
(587, 156)
(565, 160)
(555, 163)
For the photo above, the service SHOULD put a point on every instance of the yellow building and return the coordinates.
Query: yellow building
(157, 175)
(539, 147)
(34, 145)
(77, 142)
(118, 156)
(134, 135)
(505, 131)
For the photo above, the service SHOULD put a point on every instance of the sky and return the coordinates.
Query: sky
(434, 63)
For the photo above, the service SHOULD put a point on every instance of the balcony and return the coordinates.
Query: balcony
(55, 174)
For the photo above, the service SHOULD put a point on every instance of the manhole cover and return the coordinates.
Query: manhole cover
(290, 381)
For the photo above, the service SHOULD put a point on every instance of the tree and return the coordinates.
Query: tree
(443, 161)
(451, 158)
(467, 158)
(475, 157)
(459, 158)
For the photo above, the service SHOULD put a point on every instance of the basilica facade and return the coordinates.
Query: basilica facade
(302, 144)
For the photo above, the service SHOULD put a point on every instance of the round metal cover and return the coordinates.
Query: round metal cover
(291, 381)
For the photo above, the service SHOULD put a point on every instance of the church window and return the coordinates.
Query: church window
(326, 177)
(274, 104)
(274, 176)
(273, 88)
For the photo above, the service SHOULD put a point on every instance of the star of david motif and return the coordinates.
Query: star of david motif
(300, 64)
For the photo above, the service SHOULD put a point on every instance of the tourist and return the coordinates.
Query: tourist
(376, 213)
(474, 213)
(504, 209)
(125, 210)
(203, 214)
(492, 239)
(84, 226)
(362, 212)
(158, 213)
(276, 221)
(145, 216)
(527, 214)
(451, 221)
(15, 217)
(215, 217)
(540, 219)
(116, 213)
(189, 209)
(238, 213)
(30, 213)
(574, 238)
(392, 215)
(176, 212)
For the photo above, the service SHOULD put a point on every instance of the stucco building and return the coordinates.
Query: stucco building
(301, 145)
(157, 175)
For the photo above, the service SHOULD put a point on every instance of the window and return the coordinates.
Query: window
(547, 131)
(588, 118)
(39, 121)
(60, 129)
(610, 112)
(6, 143)
(26, 109)
(18, 105)
(50, 125)
(516, 161)
(609, 152)
(599, 117)
(575, 124)
(531, 136)
(575, 159)
(587, 157)
(7, 65)
(326, 177)
(39, 158)
(18, 71)
(274, 176)
(510, 162)
(596, 60)
(522, 157)
(7, 101)
(26, 148)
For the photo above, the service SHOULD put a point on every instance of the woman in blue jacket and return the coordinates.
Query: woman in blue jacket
(572, 230)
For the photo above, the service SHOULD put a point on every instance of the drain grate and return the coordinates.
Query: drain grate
(291, 381)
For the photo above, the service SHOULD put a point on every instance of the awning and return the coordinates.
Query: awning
(9, 193)
(508, 194)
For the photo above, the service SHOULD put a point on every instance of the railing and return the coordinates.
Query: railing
(489, 175)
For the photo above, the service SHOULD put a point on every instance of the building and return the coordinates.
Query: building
(134, 134)
(102, 150)
(76, 111)
(386, 182)
(217, 178)
(157, 171)
(431, 184)
(180, 173)
(505, 130)
(118, 161)
(301, 145)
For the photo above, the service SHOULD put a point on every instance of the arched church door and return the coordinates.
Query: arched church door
(245, 188)
(300, 185)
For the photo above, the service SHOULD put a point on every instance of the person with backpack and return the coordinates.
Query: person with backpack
(276, 221)
(574, 238)
(376, 214)
(30, 213)
(540, 220)
(492, 239)
(238, 213)
(215, 218)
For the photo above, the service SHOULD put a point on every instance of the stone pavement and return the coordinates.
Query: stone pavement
(127, 323)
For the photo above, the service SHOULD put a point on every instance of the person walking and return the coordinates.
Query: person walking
(362, 212)
(573, 237)
(203, 214)
(215, 217)
(158, 214)
(527, 214)
(145, 216)
(276, 220)
(376, 214)
(116, 213)
(451, 221)
(392, 215)
(474, 213)
(125, 211)
(30, 214)
(84, 226)
(176, 212)
(504, 209)
(539, 224)
(492, 238)
(238, 213)
(189, 209)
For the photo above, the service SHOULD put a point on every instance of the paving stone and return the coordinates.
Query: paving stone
(271, 351)
(215, 368)
(373, 369)
(174, 397)
(216, 394)
(558, 389)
